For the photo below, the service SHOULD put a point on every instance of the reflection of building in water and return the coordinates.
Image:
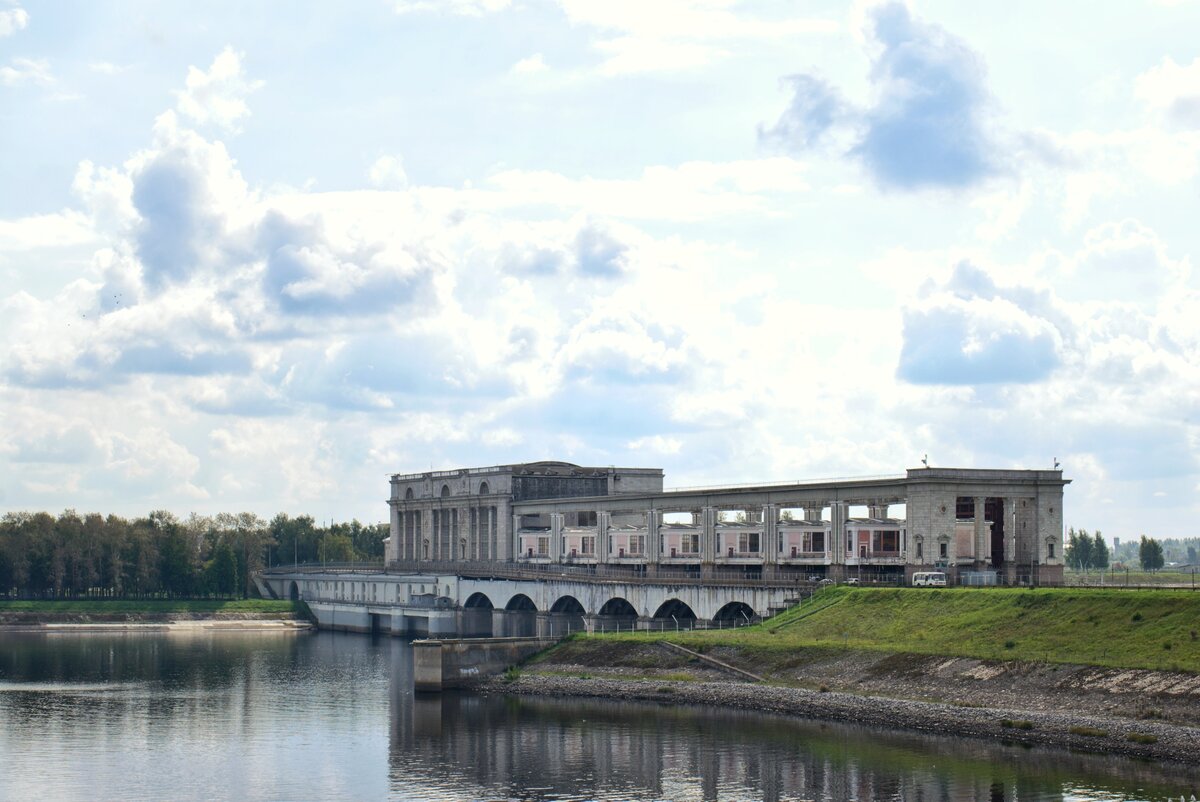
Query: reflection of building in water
(477, 746)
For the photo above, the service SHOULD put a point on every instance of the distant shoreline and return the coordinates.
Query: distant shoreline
(152, 615)
(199, 625)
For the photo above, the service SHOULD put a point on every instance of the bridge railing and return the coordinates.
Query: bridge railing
(629, 574)
(328, 568)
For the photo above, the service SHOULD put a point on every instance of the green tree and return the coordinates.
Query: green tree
(1150, 553)
(222, 570)
(1079, 549)
(1192, 554)
(1100, 556)
(339, 549)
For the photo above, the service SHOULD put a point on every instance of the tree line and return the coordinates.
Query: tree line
(1086, 552)
(75, 555)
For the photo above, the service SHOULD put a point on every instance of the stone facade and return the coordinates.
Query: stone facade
(974, 524)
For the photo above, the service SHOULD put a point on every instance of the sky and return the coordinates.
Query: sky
(258, 256)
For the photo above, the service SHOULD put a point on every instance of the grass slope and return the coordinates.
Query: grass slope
(101, 606)
(1156, 629)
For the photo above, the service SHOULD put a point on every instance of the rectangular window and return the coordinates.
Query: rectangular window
(543, 546)
(1051, 550)
(943, 550)
(886, 541)
(748, 542)
(920, 555)
(588, 545)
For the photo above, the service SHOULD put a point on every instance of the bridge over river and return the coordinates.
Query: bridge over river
(463, 599)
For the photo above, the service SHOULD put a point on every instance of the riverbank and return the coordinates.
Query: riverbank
(155, 615)
(1150, 739)
(1096, 670)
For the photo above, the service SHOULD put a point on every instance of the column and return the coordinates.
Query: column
(556, 537)
(708, 535)
(770, 514)
(983, 549)
(428, 531)
(837, 536)
(653, 544)
(602, 544)
(515, 538)
(1010, 540)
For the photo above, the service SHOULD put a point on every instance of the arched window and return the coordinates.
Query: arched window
(483, 489)
(445, 490)
(408, 495)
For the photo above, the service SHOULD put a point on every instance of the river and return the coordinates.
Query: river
(333, 716)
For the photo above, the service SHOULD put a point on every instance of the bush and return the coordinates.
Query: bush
(512, 674)
(1141, 738)
(1010, 644)
(1090, 732)
(1136, 617)
(823, 689)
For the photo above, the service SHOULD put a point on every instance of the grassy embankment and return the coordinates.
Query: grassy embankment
(1154, 629)
(149, 606)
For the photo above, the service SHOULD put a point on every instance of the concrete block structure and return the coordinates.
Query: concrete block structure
(980, 526)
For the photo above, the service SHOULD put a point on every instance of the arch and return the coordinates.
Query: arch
(479, 601)
(522, 603)
(735, 611)
(445, 490)
(618, 608)
(293, 591)
(483, 489)
(408, 494)
(675, 610)
(568, 604)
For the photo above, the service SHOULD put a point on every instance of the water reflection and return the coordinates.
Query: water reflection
(332, 716)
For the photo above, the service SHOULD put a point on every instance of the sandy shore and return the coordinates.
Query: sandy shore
(1090, 733)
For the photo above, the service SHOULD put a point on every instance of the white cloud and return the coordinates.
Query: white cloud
(13, 20)
(1174, 90)
(26, 71)
(388, 171)
(59, 230)
(217, 96)
(529, 65)
(639, 37)
(108, 67)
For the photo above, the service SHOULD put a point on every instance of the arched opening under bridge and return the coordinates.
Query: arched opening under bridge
(736, 613)
(566, 616)
(616, 614)
(674, 614)
(293, 591)
(477, 616)
(520, 619)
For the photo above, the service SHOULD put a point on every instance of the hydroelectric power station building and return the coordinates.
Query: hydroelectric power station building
(979, 526)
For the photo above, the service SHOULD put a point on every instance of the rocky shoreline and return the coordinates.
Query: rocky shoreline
(1153, 740)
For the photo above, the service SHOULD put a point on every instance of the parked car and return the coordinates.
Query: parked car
(852, 580)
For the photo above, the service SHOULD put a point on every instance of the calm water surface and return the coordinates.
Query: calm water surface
(332, 716)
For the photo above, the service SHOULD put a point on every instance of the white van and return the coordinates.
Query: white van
(929, 579)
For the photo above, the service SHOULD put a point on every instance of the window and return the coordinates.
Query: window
(543, 546)
(587, 545)
(1050, 550)
(748, 542)
(944, 550)
(885, 541)
(920, 555)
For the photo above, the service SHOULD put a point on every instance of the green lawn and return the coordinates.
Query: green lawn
(100, 606)
(1128, 629)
